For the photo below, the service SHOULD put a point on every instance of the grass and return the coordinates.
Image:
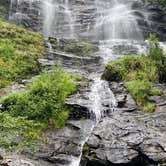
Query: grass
(138, 72)
(19, 51)
(41, 106)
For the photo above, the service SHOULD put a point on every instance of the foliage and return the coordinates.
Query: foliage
(19, 51)
(157, 55)
(140, 67)
(27, 113)
(163, 3)
(140, 90)
(138, 72)
(44, 99)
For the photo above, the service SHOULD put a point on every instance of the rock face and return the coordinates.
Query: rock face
(128, 139)
(26, 13)
(127, 136)
(78, 18)
(155, 18)
(4, 8)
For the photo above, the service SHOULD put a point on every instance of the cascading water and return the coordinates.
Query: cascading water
(49, 10)
(116, 20)
(58, 19)
(117, 26)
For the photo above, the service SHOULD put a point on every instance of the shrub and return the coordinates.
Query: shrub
(157, 55)
(44, 100)
(139, 72)
(140, 90)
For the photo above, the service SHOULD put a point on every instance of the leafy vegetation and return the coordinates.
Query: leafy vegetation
(43, 104)
(163, 3)
(138, 72)
(19, 51)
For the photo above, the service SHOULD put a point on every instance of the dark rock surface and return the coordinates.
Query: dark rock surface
(128, 136)
(155, 18)
(149, 14)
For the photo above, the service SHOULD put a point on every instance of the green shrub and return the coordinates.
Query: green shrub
(157, 55)
(141, 90)
(163, 3)
(131, 67)
(19, 51)
(139, 72)
(44, 99)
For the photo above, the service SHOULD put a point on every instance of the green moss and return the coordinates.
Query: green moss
(141, 90)
(18, 132)
(75, 46)
(86, 150)
(19, 51)
(138, 72)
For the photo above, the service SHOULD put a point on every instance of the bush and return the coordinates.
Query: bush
(140, 90)
(138, 72)
(157, 55)
(131, 67)
(44, 100)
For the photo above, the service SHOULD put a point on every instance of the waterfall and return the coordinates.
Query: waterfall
(20, 10)
(116, 20)
(49, 9)
(114, 24)
(58, 19)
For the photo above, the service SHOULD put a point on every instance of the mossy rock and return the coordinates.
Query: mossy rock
(74, 46)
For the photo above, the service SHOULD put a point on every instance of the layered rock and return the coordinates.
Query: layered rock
(78, 18)
(128, 136)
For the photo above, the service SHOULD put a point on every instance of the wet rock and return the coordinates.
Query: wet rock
(131, 138)
(149, 14)
(125, 102)
(65, 145)
(78, 47)
(15, 160)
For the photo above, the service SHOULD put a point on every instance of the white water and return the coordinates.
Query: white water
(51, 11)
(116, 20)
